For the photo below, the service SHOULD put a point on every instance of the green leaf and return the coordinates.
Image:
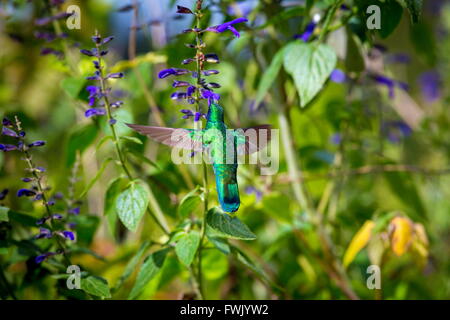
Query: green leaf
(415, 9)
(96, 286)
(73, 86)
(102, 142)
(269, 77)
(131, 139)
(228, 226)
(391, 15)
(131, 266)
(189, 203)
(310, 64)
(149, 269)
(22, 218)
(131, 204)
(354, 61)
(96, 177)
(187, 246)
(4, 214)
(79, 139)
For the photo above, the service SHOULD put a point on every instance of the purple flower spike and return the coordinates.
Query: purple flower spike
(8, 132)
(26, 193)
(227, 26)
(95, 112)
(7, 147)
(338, 76)
(38, 143)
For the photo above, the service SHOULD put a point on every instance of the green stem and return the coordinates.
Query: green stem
(199, 63)
(157, 213)
(330, 14)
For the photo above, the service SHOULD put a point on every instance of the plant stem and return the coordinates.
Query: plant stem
(330, 14)
(157, 213)
(200, 61)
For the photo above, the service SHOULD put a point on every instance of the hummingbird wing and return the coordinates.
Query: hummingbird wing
(253, 139)
(189, 139)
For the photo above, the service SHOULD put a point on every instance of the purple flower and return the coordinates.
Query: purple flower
(95, 112)
(94, 93)
(197, 116)
(44, 256)
(26, 193)
(116, 104)
(251, 189)
(68, 235)
(211, 96)
(210, 72)
(57, 216)
(7, 122)
(227, 26)
(9, 132)
(172, 71)
(177, 84)
(37, 143)
(309, 30)
(75, 211)
(211, 58)
(338, 76)
(390, 83)
(430, 84)
(178, 95)
(395, 130)
(336, 138)
(116, 75)
(3, 194)
(107, 39)
(190, 90)
(7, 147)
(112, 121)
(43, 233)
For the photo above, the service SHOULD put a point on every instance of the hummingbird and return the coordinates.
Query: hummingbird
(223, 145)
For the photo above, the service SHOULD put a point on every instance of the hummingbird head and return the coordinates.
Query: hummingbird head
(215, 112)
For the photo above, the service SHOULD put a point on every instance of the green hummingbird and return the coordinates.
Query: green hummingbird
(223, 145)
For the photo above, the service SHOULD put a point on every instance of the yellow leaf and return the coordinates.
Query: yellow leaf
(401, 235)
(358, 242)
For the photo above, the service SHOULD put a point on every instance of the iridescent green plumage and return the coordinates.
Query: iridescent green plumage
(223, 146)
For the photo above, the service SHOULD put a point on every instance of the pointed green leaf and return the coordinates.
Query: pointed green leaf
(131, 204)
(131, 266)
(189, 203)
(131, 139)
(227, 225)
(149, 269)
(310, 64)
(96, 286)
(187, 246)
(269, 77)
(95, 178)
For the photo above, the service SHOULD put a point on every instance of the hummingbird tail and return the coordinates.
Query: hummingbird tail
(228, 193)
